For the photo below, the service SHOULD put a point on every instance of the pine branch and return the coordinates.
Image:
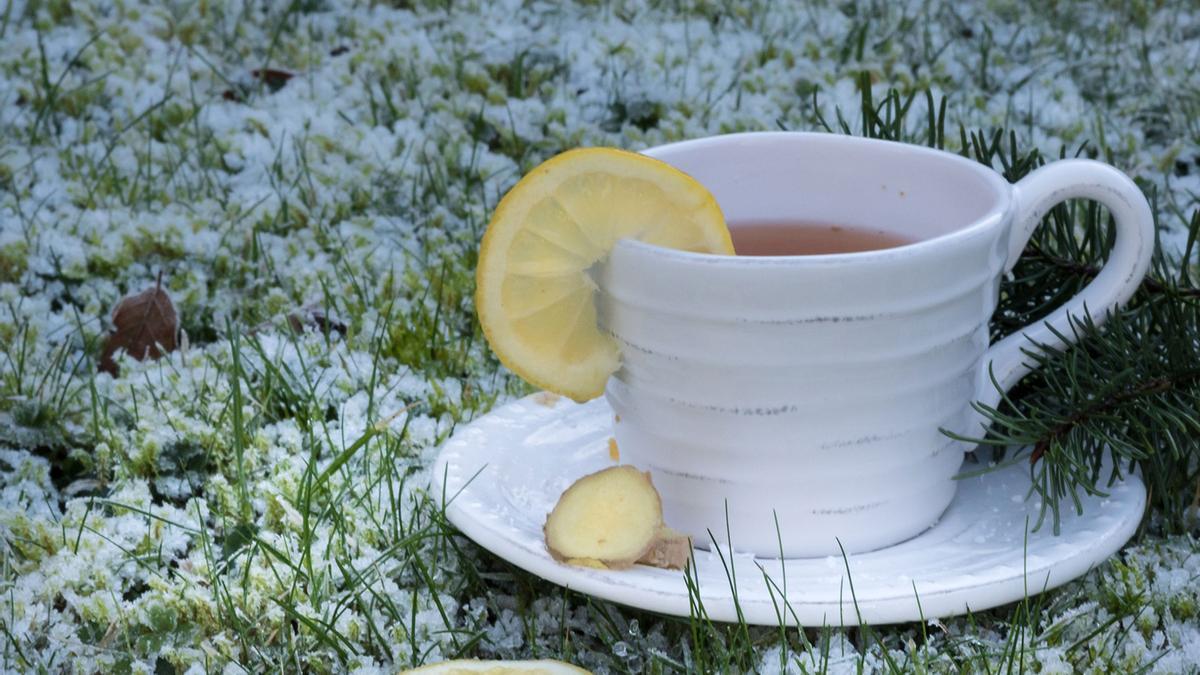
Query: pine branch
(1110, 404)
(1121, 396)
(1087, 271)
(1128, 392)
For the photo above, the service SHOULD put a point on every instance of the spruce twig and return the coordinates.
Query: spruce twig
(1123, 395)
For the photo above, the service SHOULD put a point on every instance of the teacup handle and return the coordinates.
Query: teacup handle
(1033, 197)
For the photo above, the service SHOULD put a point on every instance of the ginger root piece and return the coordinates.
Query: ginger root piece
(671, 550)
(612, 519)
(586, 562)
(612, 516)
(463, 666)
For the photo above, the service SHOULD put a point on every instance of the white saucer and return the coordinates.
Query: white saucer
(501, 475)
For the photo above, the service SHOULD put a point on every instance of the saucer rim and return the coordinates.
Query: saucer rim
(629, 587)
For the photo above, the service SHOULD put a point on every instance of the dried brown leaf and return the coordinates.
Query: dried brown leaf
(274, 77)
(314, 316)
(145, 325)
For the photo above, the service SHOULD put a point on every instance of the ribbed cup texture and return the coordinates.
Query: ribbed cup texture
(806, 391)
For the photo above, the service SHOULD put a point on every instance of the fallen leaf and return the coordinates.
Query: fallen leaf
(274, 77)
(145, 325)
(315, 316)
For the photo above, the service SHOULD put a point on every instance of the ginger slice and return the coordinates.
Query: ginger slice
(612, 519)
(612, 516)
(586, 562)
(671, 550)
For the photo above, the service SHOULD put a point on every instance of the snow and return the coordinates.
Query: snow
(349, 182)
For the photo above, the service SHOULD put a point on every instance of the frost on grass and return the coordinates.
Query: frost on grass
(206, 508)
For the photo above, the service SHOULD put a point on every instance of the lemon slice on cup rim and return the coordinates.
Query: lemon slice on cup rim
(534, 294)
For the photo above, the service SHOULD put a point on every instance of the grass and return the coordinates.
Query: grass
(258, 500)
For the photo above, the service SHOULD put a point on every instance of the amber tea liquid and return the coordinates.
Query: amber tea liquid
(806, 238)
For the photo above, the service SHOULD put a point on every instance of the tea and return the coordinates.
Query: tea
(806, 238)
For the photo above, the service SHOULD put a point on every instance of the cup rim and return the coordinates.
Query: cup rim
(999, 208)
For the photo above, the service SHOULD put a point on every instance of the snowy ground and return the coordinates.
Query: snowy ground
(272, 159)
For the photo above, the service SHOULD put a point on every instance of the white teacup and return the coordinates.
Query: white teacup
(812, 389)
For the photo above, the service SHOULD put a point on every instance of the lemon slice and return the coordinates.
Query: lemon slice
(534, 293)
(543, 667)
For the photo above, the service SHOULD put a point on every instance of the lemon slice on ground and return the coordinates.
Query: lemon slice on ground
(534, 294)
(544, 667)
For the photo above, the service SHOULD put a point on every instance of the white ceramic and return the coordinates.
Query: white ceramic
(812, 389)
(501, 474)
